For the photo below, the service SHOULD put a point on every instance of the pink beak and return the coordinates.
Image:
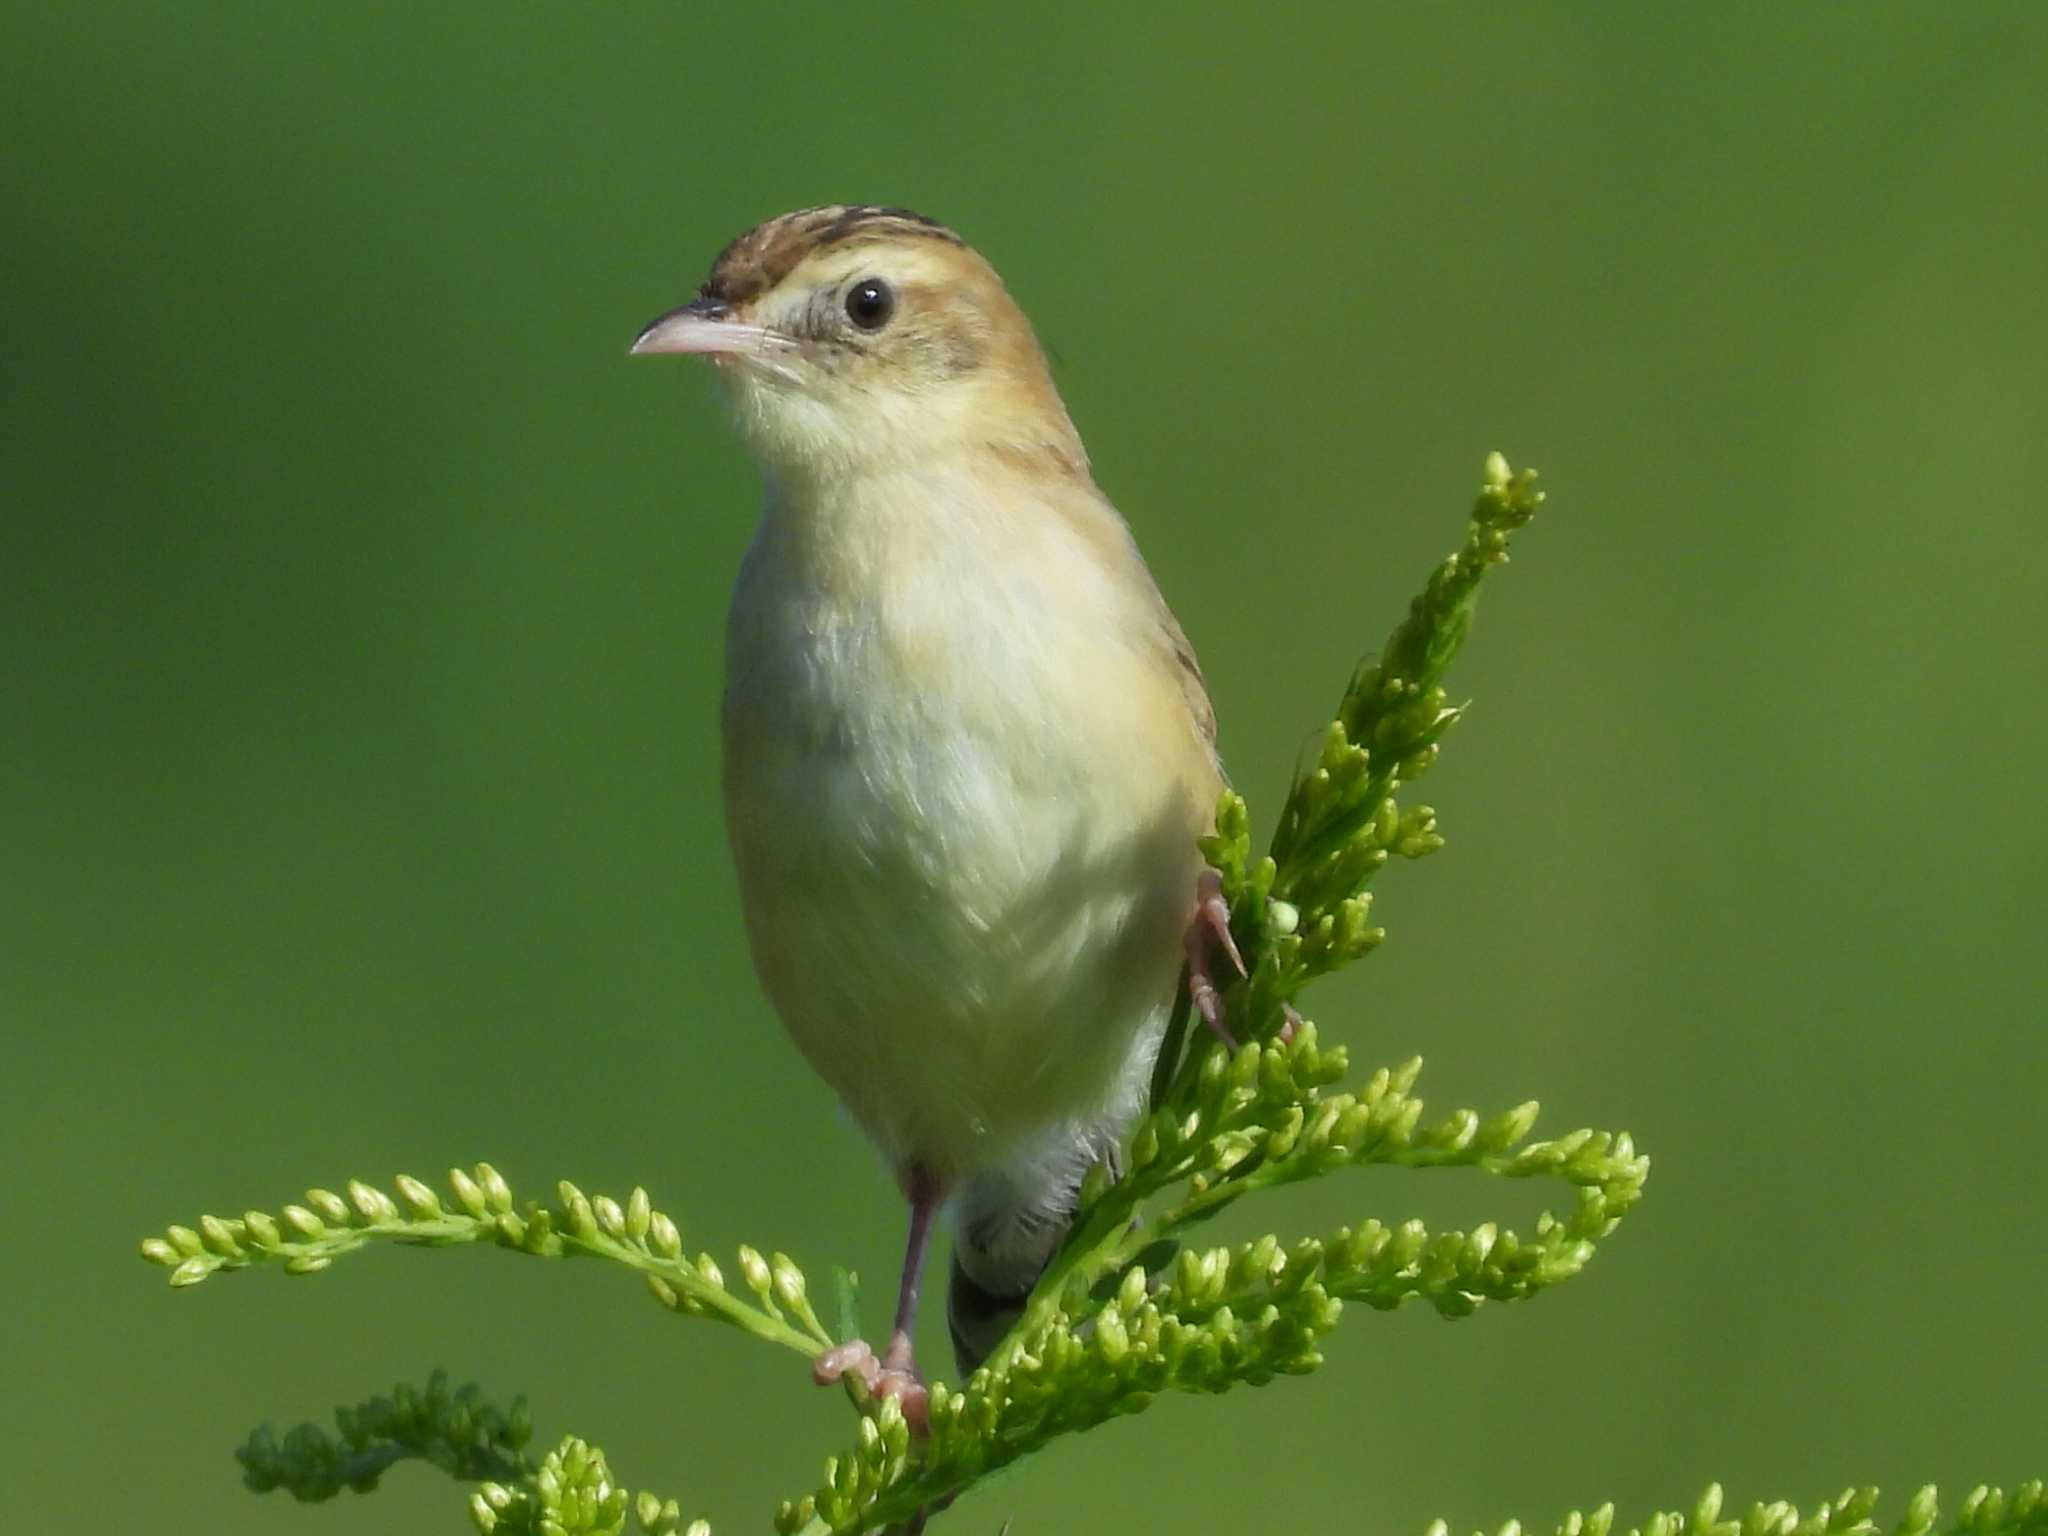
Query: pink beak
(703, 328)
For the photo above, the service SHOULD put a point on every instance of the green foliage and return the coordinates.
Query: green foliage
(1129, 1307)
(305, 1239)
(1985, 1512)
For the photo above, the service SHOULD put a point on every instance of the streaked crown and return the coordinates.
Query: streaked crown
(755, 262)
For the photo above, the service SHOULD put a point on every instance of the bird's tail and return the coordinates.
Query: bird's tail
(1007, 1223)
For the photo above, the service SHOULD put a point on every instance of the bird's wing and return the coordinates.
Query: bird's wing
(1194, 687)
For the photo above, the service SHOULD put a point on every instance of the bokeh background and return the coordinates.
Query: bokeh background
(360, 612)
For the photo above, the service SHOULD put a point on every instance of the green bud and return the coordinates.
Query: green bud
(159, 1251)
(754, 1270)
(1282, 917)
(1417, 763)
(299, 1264)
(788, 1281)
(1145, 1146)
(890, 1415)
(1400, 1129)
(639, 1214)
(1507, 1128)
(1337, 750)
(304, 1222)
(196, 1269)
(259, 1229)
(1303, 1055)
(373, 1204)
(1094, 1184)
(218, 1238)
(496, 1191)
(1708, 1509)
(1317, 1136)
(1276, 1077)
(1455, 1133)
(1229, 1149)
(1350, 1131)
(707, 1267)
(1387, 1112)
(1112, 1343)
(1233, 816)
(1243, 1066)
(662, 1235)
(1130, 1295)
(420, 1200)
(467, 1194)
(331, 1206)
(1286, 1133)
(1323, 1310)
(1405, 1244)
(611, 1217)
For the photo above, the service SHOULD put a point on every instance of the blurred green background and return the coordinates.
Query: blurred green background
(361, 608)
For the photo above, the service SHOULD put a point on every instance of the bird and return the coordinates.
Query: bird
(967, 748)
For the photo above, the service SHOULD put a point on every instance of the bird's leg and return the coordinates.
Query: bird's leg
(895, 1373)
(1210, 925)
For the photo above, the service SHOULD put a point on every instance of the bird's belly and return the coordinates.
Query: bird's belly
(968, 921)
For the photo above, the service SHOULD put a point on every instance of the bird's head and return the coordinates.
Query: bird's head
(853, 337)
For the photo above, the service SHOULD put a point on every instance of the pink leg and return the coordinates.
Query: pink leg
(1290, 1021)
(1210, 925)
(895, 1374)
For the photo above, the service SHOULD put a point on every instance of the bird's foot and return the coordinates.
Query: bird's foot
(892, 1374)
(1210, 925)
(1290, 1021)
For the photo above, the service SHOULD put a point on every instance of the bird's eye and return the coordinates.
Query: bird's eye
(869, 303)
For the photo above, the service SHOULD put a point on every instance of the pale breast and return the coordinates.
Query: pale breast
(962, 795)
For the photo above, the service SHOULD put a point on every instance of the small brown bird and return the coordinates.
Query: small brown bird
(967, 747)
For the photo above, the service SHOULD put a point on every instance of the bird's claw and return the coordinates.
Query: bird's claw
(893, 1374)
(856, 1358)
(1210, 925)
(1290, 1021)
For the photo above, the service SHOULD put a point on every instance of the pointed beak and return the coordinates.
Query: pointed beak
(704, 328)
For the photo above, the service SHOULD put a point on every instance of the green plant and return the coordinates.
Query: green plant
(1131, 1306)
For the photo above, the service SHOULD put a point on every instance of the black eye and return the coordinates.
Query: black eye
(869, 303)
